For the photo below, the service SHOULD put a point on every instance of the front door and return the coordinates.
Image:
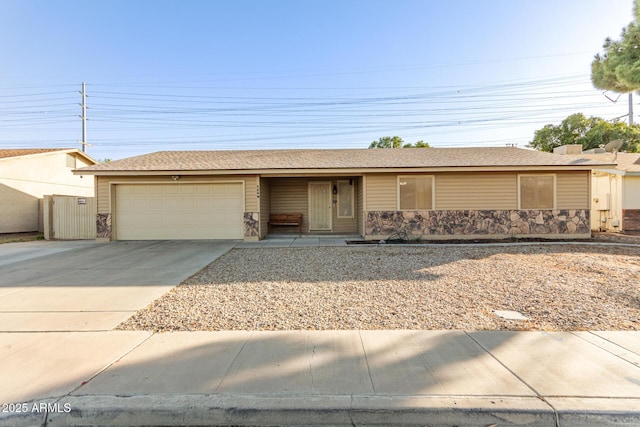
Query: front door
(319, 206)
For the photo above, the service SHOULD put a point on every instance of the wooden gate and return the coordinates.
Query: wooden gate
(70, 217)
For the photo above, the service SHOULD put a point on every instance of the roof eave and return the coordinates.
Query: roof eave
(334, 171)
(45, 153)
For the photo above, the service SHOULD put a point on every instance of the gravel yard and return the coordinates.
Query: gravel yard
(558, 287)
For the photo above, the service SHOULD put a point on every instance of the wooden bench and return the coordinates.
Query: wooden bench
(292, 219)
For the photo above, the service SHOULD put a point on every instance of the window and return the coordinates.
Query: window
(415, 192)
(345, 199)
(537, 191)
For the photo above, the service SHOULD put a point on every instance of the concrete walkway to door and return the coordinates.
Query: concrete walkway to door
(295, 241)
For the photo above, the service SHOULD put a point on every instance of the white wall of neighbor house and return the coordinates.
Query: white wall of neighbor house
(607, 201)
(25, 180)
(631, 192)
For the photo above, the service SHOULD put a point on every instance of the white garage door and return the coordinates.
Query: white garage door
(179, 211)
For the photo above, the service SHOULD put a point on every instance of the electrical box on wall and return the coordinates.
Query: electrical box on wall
(602, 202)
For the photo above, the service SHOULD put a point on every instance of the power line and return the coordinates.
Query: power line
(168, 116)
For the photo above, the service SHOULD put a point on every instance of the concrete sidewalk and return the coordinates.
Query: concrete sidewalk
(434, 378)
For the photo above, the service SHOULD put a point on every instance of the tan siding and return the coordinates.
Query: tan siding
(250, 194)
(464, 191)
(345, 225)
(572, 190)
(265, 203)
(103, 187)
(289, 195)
(360, 205)
(381, 192)
(102, 190)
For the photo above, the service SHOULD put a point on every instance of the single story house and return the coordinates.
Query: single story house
(429, 193)
(28, 174)
(615, 201)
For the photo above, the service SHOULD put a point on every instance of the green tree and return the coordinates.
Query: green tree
(396, 142)
(589, 132)
(419, 144)
(618, 68)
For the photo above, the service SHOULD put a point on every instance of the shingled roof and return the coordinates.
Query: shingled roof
(16, 152)
(301, 159)
(627, 162)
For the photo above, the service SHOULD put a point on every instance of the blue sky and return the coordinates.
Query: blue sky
(182, 75)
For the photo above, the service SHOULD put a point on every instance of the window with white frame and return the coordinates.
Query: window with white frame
(537, 191)
(345, 199)
(415, 192)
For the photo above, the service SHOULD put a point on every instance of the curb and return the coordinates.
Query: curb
(330, 410)
(283, 410)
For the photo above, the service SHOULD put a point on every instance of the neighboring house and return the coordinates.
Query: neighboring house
(615, 191)
(26, 175)
(431, 193)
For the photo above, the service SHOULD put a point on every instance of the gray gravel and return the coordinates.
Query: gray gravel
(559, 287)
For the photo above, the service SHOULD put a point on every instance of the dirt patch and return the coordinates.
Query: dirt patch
(20, 237)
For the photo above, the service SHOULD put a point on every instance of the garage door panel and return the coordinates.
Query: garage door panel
(202, 203)
(179, 211)
(173, 189)
(155, 204)
(204, 189)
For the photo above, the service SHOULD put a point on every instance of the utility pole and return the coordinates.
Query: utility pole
(84, 118)
(630, 108)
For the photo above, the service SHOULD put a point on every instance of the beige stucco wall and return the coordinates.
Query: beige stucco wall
(477, 191)
(104, 184)
(25, 180)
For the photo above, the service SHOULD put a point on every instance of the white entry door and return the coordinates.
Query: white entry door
(319, 206)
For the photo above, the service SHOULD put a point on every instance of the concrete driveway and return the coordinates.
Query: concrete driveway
(89, 286)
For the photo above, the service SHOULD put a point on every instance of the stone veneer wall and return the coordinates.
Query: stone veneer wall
(103, 226)
(631, 221)
(478, 222)
(251, 224)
